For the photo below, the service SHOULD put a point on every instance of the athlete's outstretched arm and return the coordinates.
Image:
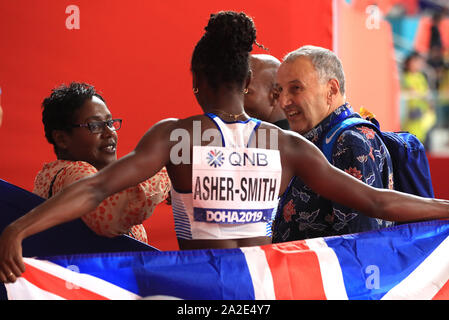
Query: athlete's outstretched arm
(310, 165)
(150, 155)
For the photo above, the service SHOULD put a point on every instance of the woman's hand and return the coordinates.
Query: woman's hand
(11, 261)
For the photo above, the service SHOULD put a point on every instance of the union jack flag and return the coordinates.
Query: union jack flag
(404, 262)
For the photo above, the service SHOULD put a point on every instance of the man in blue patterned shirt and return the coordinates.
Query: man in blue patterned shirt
(312, 92)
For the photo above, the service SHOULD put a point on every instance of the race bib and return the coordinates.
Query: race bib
(235, 185)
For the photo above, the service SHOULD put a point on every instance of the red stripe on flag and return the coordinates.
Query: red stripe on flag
(443, 294)
(295, 270)
(57, 286)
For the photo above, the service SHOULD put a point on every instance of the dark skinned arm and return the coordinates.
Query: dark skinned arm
(150, 155)
(312, 167)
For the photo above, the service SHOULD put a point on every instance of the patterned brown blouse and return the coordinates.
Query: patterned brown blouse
(121, 213)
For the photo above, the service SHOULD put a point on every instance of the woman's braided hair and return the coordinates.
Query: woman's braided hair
(221, 55)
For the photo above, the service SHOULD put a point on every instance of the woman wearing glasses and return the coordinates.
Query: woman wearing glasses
(80, 127)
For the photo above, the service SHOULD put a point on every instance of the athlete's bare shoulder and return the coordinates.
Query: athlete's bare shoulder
(285, 138)
(169, 124)
(188, 122)
(162, 131)
(270, 126)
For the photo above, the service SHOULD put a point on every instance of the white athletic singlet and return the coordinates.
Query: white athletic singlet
(234, 188)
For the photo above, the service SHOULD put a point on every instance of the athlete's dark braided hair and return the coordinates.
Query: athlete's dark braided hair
(222, 53)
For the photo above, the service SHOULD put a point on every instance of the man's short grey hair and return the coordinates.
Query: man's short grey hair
(326, 63)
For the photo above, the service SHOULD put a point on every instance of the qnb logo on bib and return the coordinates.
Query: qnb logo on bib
(235, 185)
(215, 158)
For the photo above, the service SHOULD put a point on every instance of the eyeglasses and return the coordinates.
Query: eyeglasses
(99, 126)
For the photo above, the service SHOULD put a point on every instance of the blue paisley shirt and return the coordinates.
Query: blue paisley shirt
(359, 151)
